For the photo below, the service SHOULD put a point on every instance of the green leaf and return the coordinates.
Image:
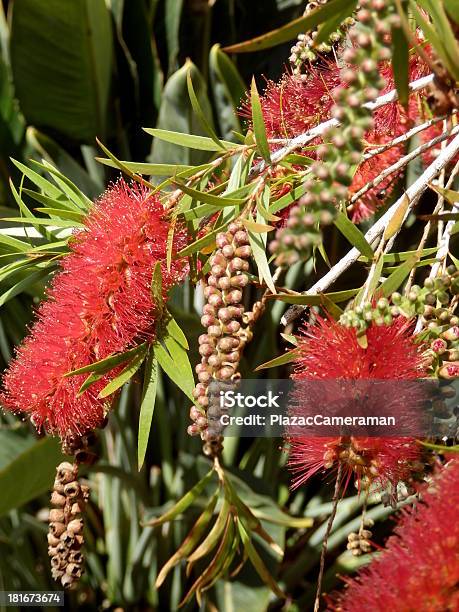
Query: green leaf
(449, 194)
(125, 375)
(304, 299)
(397, 277)
(259, 126)
(46, 186)
(63, 214)
(205, 123)
(30, 474)
(47, 222)
(107, 364)
(119, 164)
(287, 199)
(353, 234)
(257, 562)
(176, 114)
(259, 254)
(438, 33)
(201, 143)
(26, 283)
(214, 536)
(183, 503)
(61, 55)
(157, 288)
(452, 8)
(332, 24)
(172, 17)
(174, 330)
(147, 407)
(199, 244)
(49, 150)
(190, 541)
(143, 168)
(257, 228)
(173, 359)
(209, 198)
(396, 221)
(90, 380)
(228, 90)
(292, 29)
(400, 64)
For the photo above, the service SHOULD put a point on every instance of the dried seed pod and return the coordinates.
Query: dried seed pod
(57, 528)
(56, 516)
(65, 472)
(52, 539)
(66, 524)
(75, 526)
(57, 499)
(72, 490)
(77, 508)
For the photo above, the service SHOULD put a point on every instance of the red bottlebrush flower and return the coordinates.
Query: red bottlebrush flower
(299, 102)
(100, 303)
(419, 569)
(331, 352)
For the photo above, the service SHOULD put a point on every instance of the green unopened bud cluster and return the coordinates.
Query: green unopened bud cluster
(432, 302)
(306, 51)
(333, 172)
(441, 324)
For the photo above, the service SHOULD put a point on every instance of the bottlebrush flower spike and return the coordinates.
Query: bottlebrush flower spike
(419, 569)
(297, 103)
(100, 303)
(331, 352)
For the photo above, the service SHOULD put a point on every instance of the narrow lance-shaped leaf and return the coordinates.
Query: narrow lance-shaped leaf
(147, 407)
(259, 126)
(258, 564)
(353, 234)
(290, 30)
(191, 141)
(173, 359)
(205, 124)
(124, 376)
(107, 364)
(190, 541)
(400, 64)
(183, 503)
(259, 254)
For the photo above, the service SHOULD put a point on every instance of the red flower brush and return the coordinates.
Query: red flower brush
(419, 568)
(299, 102)
(100, 303)
(329, 353)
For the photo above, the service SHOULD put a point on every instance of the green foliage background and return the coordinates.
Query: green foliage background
(71, 71)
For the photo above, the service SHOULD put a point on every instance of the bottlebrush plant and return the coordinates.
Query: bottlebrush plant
(319, 245)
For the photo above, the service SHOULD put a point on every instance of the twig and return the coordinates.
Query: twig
(402, 162)
(443, 249)
(326, 536)
(413, 193)
(303, 139)
(372, 151)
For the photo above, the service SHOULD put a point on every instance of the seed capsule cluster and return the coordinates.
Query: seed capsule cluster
(305, 51)
(359, 543)
(65, 536)
(224, 317)
(333, 171)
